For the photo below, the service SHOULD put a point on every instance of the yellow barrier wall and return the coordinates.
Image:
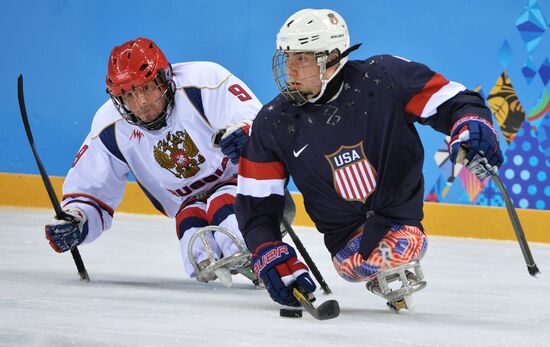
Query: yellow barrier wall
(440, 219)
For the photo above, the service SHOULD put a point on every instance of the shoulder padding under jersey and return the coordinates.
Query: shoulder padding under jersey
(200, 74)
(105, 116)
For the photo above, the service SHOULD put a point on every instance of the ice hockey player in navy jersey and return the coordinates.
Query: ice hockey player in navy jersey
(158, 125)
(344, 130)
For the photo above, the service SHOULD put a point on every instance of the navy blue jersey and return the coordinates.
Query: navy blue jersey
(358, 154)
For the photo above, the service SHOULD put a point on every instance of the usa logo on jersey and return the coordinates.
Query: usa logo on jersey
(354, 176)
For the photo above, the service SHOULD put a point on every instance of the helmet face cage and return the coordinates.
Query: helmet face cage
(284, 82)
(160, 81)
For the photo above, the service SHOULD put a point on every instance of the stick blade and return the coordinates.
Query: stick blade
(80, 265)
(84, 276)
(533, 270)
(328, 310)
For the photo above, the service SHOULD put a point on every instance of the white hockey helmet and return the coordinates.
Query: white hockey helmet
(310, 31)
(316, 31)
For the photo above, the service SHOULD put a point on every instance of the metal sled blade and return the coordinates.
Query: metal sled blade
(224, 276)
(398, 298)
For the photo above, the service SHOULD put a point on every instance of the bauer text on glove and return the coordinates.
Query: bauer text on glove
(280, 271)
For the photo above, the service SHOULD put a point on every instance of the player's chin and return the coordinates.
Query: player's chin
(148, 117)
(299, 87)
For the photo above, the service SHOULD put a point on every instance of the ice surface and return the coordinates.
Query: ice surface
(479, 294)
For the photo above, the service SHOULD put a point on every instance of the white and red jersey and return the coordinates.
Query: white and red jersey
(171, 164)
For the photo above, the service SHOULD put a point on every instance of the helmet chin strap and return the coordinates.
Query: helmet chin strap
(343, 55)
(343, 58)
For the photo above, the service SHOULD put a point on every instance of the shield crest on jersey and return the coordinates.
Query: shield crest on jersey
(354, 176)
(178, 154)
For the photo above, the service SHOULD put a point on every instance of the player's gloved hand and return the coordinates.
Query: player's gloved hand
(475, 134)
(67, 233)
(232, 139)
(280, 271)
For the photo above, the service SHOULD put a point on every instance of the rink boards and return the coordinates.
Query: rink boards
(439, 218)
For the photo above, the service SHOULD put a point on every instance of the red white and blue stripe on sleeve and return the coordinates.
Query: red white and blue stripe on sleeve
(260, 189)
(260, 180)
(424, 89)
(435, 92)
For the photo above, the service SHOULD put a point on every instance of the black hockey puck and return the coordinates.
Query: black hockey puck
(290, 313)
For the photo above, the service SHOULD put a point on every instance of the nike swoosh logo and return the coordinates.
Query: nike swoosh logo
(297, 154)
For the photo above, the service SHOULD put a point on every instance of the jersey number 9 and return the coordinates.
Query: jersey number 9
(239, 92)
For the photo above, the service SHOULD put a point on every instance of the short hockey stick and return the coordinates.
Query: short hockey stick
(327, 310)
(520, 235)
(59, 214)
(306, 257)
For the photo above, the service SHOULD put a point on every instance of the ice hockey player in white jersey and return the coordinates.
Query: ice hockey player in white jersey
(158, 126)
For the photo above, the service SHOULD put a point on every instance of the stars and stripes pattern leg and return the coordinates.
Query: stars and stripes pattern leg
(401, 245)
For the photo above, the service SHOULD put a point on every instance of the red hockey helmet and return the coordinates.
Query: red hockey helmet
(133, 64)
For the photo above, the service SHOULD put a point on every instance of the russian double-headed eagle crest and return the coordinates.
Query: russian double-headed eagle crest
(178, 154)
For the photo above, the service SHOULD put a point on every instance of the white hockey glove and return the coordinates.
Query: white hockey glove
(65, 234)
(232, 139)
